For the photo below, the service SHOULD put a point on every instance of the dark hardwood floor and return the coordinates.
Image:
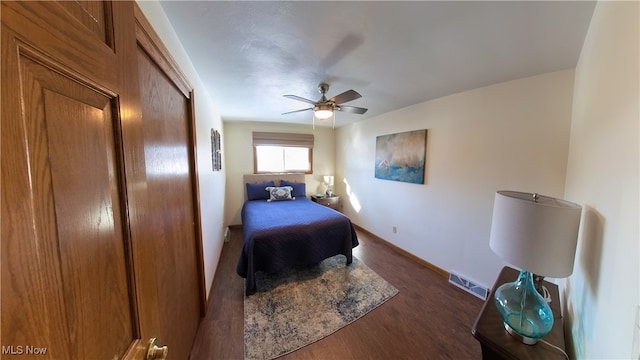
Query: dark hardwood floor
(428, 319)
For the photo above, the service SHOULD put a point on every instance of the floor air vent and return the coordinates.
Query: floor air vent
(469, 286)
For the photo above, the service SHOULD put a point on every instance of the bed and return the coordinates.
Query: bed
(288, 233)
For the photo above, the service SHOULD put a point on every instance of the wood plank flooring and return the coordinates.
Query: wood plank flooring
(428, 319)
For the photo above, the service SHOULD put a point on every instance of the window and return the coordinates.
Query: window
(282, 152)
(282, 159)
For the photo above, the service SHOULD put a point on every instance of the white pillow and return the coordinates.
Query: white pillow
(278, 193)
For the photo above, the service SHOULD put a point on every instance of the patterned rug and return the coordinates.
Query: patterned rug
(297, 307)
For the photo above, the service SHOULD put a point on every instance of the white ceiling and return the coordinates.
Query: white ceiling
(395, 54)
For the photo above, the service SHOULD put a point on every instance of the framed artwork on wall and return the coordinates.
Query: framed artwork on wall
(401, 156)
(216, 151)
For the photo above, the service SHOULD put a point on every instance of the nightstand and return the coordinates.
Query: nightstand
(329, 201)
(498, 344)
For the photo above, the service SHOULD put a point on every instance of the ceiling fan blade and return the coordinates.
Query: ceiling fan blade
(295, 111)
(346, 96)
(295, 97)
(352, 109)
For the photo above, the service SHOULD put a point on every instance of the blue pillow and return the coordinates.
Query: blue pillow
(258, 191)
(299, 189)
(280, 193)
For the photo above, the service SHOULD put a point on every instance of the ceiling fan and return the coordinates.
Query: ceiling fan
(325, 108)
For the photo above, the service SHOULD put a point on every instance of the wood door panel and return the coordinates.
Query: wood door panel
(64, 276)
(100, 240)
(94, 15)
(89, 222)
(60, 35)
(171, 219)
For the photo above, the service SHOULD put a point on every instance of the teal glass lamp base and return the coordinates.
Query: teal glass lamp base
(525, 313)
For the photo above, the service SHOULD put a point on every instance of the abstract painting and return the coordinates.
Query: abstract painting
(401, 157)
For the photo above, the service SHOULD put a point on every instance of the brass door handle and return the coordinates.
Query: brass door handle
(155, 352)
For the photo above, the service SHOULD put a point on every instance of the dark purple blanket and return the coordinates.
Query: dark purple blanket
(298, 232)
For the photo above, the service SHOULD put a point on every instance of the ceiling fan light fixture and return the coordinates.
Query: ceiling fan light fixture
(323, 112)
(324, 108)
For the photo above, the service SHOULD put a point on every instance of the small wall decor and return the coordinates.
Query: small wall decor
(216, 151)
(401, 157)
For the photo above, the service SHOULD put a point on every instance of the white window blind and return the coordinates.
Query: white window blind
(282, 139)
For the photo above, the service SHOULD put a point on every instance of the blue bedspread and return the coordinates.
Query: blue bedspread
(298, 232)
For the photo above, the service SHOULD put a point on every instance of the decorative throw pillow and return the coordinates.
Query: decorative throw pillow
(299, 189)
(277, 193)
(257, 191)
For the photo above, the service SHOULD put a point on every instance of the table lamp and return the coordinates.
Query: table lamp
(328, 179)
(537, 234)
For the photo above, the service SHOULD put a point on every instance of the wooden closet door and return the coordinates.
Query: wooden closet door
(68, 288)
(172, 219)
(99, 223)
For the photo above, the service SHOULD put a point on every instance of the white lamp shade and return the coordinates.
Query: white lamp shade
(328, 179)
(537, 236)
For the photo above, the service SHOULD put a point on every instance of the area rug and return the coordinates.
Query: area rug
(297, 307)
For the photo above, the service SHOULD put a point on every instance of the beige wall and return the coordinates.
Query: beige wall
(602, 174)
(211, 184)
(509, 136)
(238, 153)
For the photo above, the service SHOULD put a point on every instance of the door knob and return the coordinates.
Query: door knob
(156, 352)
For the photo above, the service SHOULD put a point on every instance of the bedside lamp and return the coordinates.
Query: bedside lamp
(328, 179)
(537, 234)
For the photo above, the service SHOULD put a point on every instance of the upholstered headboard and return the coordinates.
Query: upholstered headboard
(260, 178)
